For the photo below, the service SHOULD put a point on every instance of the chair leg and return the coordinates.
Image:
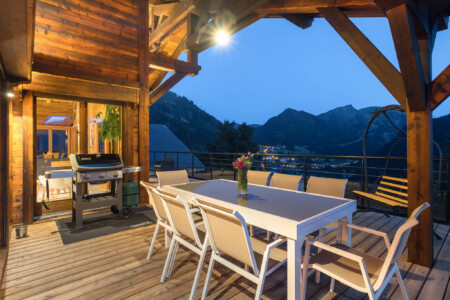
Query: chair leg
(199, 269)
(400, 282)
(208, 278)
(172, 262)
(262, 275)
(168, 260)
(152, 245)
(332, 284)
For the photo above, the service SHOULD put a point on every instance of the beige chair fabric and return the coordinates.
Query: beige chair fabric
(358, 270)
(229, 237)
(172, 177)
(286, 181)
(186, 232)
(326, 186)
(160, 212)
(258, 177)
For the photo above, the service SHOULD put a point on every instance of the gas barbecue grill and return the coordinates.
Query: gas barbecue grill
(94, 169)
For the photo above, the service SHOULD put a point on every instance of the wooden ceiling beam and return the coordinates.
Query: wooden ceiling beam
(380, 66)
(440, 88)
(311, 6)
(301, 20)
(165, 87)
(60, 85)
(177, 15)
(168, 64)
(71, 73)
(404, 35)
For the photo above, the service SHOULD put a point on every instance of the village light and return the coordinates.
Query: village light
(222, 37)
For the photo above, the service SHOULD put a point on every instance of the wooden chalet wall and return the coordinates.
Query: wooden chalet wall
(84, 51)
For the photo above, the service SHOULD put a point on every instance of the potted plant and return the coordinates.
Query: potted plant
(111, 126)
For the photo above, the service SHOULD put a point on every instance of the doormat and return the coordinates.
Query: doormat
(100, 224)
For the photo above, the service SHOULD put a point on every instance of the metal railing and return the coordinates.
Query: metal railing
(208, 165)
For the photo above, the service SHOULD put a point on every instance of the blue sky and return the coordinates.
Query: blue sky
(273, 65)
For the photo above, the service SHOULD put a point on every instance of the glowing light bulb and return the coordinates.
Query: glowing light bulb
(10, 94)
(222, 37)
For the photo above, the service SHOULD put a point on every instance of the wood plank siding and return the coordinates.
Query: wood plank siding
(87, 37)
(115, 267)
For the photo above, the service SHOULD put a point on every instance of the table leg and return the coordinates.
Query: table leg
(346, 237)
(294, 261)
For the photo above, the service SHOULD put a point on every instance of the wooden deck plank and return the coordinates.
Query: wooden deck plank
(115, 267)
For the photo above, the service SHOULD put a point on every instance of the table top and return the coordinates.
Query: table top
(293, 205)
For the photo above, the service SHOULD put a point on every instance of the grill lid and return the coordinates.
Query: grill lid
(85, 162)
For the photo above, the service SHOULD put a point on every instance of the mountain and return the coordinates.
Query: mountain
(339, 131)
(192, 125)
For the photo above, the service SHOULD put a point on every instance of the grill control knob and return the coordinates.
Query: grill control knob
(116, 174)
(101, 175)
(87, 176)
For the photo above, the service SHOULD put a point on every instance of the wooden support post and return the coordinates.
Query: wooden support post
(82, 128)
(29, 156)
(3, 162)
(127, 137)
(420, 184)
(405, 40)
(143, 41)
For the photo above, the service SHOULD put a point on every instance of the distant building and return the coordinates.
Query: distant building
(162, 139)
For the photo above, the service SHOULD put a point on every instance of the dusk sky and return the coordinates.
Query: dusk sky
(273, 65)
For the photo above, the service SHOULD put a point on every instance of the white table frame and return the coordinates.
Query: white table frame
(294, 231)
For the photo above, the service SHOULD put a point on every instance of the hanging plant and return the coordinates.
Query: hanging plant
(111, 127)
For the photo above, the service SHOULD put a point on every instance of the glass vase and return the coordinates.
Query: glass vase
(242, 181)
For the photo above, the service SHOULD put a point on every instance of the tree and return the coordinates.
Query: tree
(234, 139)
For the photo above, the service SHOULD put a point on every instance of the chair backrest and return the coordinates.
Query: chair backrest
(180, 216)
(393, 188)
(327, 186)
(399, 242)
(156, 201)
(228, 234)
(257, 177)
(286, 181)
(172, 177)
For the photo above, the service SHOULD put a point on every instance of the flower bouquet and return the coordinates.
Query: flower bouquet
(243, 164)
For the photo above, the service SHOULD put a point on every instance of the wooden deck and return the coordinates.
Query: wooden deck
(115, 267)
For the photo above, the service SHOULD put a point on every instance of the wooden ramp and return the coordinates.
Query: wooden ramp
(115, 267)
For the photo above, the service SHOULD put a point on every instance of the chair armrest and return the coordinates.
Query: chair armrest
(335, 250)
(275, 243)
(368, 230)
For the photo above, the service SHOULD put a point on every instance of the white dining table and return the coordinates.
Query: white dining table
(292, 214)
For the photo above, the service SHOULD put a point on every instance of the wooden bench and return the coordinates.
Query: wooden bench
(392, 191)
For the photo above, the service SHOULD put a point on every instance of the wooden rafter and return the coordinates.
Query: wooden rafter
(405, 40)
(388, 75)
(301, 20)
(165, 87)
(164, 63)
(440, 88)
(177, 15)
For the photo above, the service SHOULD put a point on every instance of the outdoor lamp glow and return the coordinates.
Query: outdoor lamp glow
(222, 37)
(10, 94)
